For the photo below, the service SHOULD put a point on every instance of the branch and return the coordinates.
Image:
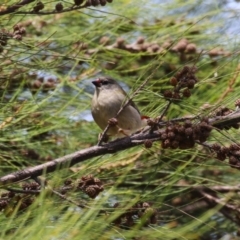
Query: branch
(227, 120)
(15, 7)
(228, 210)
(51, 12)
(145, 185)
(111, 147)
(77, 157)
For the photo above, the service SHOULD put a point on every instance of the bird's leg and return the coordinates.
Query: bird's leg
(113, 122)
(124, 132)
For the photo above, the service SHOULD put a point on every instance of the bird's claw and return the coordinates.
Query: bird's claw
(122, 131)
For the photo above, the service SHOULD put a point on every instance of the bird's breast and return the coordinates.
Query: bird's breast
(106, 106)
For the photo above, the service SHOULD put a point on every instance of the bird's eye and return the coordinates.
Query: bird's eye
(105, 82)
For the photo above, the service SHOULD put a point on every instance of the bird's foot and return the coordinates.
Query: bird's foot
(124, 132)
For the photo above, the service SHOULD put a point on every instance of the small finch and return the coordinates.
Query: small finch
(107, 100)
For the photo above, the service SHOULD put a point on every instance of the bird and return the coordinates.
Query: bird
(107, 100)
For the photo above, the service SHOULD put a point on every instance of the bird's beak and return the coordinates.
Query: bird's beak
(97, 83)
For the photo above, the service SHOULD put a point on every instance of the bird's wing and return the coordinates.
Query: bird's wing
(131, 103)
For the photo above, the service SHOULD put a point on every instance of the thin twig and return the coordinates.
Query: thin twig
(218, 201)
(23, 191)
(165, 110)
(69, 200)
(34, 192)
(15, 7)
(229, 119)
(170, 101)
(186, 187)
